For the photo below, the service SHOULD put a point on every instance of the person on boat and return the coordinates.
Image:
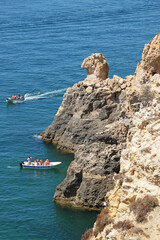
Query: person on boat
(29, 160)
(47, 162)
(41, 162)
(36, 162)
(13, 97)
(18, 96)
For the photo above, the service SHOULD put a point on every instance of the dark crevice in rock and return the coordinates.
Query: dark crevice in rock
(71, 189)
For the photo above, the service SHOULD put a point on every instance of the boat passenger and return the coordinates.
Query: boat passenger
(36, 162)
(19, 96)
(13, 97)
(41, 162)
(47, 162)
(29, 160)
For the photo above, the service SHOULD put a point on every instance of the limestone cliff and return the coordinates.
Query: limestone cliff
(90, 123)
(94, 120)
(133, 210)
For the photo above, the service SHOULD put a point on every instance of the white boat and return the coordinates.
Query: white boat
(34, 165)
(15, 100)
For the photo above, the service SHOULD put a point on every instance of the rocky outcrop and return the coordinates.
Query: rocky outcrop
(90, 123)
(134, 202)
(150, 64)
(133, 206)
(94, 120)
(97, 67)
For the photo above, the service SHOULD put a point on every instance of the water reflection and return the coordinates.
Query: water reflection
(55, 154)
(9, 105)
(41, 172)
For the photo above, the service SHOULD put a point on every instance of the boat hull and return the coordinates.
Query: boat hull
(52, 165)
(10, 100)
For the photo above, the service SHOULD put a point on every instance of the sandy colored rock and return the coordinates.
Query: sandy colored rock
(150, 64)
(97, 67)
(112, 125)
(138, 178)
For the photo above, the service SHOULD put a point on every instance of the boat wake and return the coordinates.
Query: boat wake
(13, 167)
(39, 95)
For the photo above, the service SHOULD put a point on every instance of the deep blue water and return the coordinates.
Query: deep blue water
(43, 44)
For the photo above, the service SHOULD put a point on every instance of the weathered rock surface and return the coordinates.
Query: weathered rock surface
(97, 67)
(150, 64)
(93, 122)
(133, 210)
(90, 123)
(138, 179)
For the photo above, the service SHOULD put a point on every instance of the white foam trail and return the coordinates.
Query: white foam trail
(15, 102)
(37, 137)
(29, 97)
(11, 167)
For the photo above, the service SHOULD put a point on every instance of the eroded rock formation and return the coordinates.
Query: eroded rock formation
(90, 123)
(133, 210)
(134, 202)
(97, 67)
(94, 120)
(150, 64)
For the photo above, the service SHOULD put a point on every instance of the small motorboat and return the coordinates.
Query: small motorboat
(34, 165)
(15, 99)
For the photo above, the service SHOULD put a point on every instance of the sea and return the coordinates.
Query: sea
(42, 47)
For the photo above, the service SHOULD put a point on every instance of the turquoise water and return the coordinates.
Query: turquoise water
(43, 44)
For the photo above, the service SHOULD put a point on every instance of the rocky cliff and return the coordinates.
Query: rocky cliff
(95, 120)
(90, 123)
(133, 210)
